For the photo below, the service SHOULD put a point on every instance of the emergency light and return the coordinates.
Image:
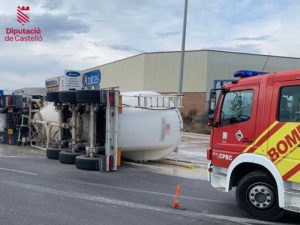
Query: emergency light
(248, 73)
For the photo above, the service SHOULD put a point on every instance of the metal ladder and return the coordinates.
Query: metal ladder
(160, 101)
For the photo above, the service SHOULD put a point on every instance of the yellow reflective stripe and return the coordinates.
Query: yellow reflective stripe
(289, 160)
(280, 135)
(286, 165)
(261, 136)
(295, 177)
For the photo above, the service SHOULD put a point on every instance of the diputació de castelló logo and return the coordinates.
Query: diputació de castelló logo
(22, 17)
(23, 34)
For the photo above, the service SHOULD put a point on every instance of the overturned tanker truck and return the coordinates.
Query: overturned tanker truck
(90, 128)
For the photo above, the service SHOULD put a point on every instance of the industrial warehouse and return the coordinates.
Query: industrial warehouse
(203, 70)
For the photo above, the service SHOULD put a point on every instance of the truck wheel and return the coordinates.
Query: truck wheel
(52, 97)
(91, 96)
(52, 153)
(256, 194)
(85, 163)
(68, 157)
(67, 97)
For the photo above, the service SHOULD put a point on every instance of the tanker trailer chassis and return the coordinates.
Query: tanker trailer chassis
(99, 109)
(93, 126)
(67, 156)
(101, 106)
(53, 147)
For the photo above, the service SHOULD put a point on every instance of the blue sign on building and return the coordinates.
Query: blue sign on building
(73, 74)
(91, 78)
(1, 92)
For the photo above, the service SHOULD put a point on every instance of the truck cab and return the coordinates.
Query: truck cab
(255, 141)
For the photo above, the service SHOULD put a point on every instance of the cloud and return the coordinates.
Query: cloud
(257, 38)
(59, 27)
(126, 48)
(249, 48)
(52, 4)
(54, 27)
(81, 34)
(91, 57)
(100, 20)
(98, 43)
(13, 81)
(26, 66)
(167, 33)
(118, 47)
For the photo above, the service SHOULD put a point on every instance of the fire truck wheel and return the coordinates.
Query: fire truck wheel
(52, 97)
(52, 153)
(68, 157)
(67, 97)
(91, 96)
(256, 194)
(83, 162)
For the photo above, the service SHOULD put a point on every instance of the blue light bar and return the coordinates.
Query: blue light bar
(248, 73)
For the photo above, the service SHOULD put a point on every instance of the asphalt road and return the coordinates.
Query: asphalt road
(38, 191)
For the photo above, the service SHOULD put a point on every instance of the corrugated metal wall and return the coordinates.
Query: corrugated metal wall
(222, 65)
(128, 74)
(159, 71)
(162, 71)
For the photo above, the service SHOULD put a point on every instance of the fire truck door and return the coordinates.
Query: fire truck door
(235, 129)
(284, 144)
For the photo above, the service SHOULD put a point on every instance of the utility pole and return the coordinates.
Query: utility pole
(182, 49)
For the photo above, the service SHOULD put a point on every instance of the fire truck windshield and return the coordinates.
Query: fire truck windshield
(236, 107)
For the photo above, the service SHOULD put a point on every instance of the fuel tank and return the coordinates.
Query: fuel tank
(144, 133)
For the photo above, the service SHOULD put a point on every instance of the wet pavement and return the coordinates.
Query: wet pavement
(36, 190)
(19, 151)
(199, 173)
(192, 149)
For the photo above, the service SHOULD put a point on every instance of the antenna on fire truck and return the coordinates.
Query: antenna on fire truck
(263, 70)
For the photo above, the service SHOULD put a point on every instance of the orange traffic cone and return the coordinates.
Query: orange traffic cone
(176, 202)
(178, 191)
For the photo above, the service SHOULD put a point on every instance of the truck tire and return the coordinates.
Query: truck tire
(52, 97)
(67, 97)
(68, 157)
(91, 96)
(256, 194)
(52, 153)
(85, 163)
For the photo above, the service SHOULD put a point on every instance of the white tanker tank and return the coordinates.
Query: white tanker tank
(149, 127)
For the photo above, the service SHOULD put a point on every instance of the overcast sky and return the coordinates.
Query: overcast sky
(79, 34)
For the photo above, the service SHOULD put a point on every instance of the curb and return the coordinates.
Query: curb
(199, 164)
(188, 165)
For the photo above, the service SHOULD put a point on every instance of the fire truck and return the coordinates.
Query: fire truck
(255, 141)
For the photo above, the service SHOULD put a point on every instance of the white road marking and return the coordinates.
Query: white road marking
(21, 157)
(147, 192)
(99, 199)
(18, 171)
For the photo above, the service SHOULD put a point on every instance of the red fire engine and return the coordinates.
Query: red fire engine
(255, 141)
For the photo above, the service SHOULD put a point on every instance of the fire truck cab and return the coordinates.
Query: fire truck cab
(255, 141)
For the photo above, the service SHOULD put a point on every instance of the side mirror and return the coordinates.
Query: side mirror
(212, 107)
(210, 121)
